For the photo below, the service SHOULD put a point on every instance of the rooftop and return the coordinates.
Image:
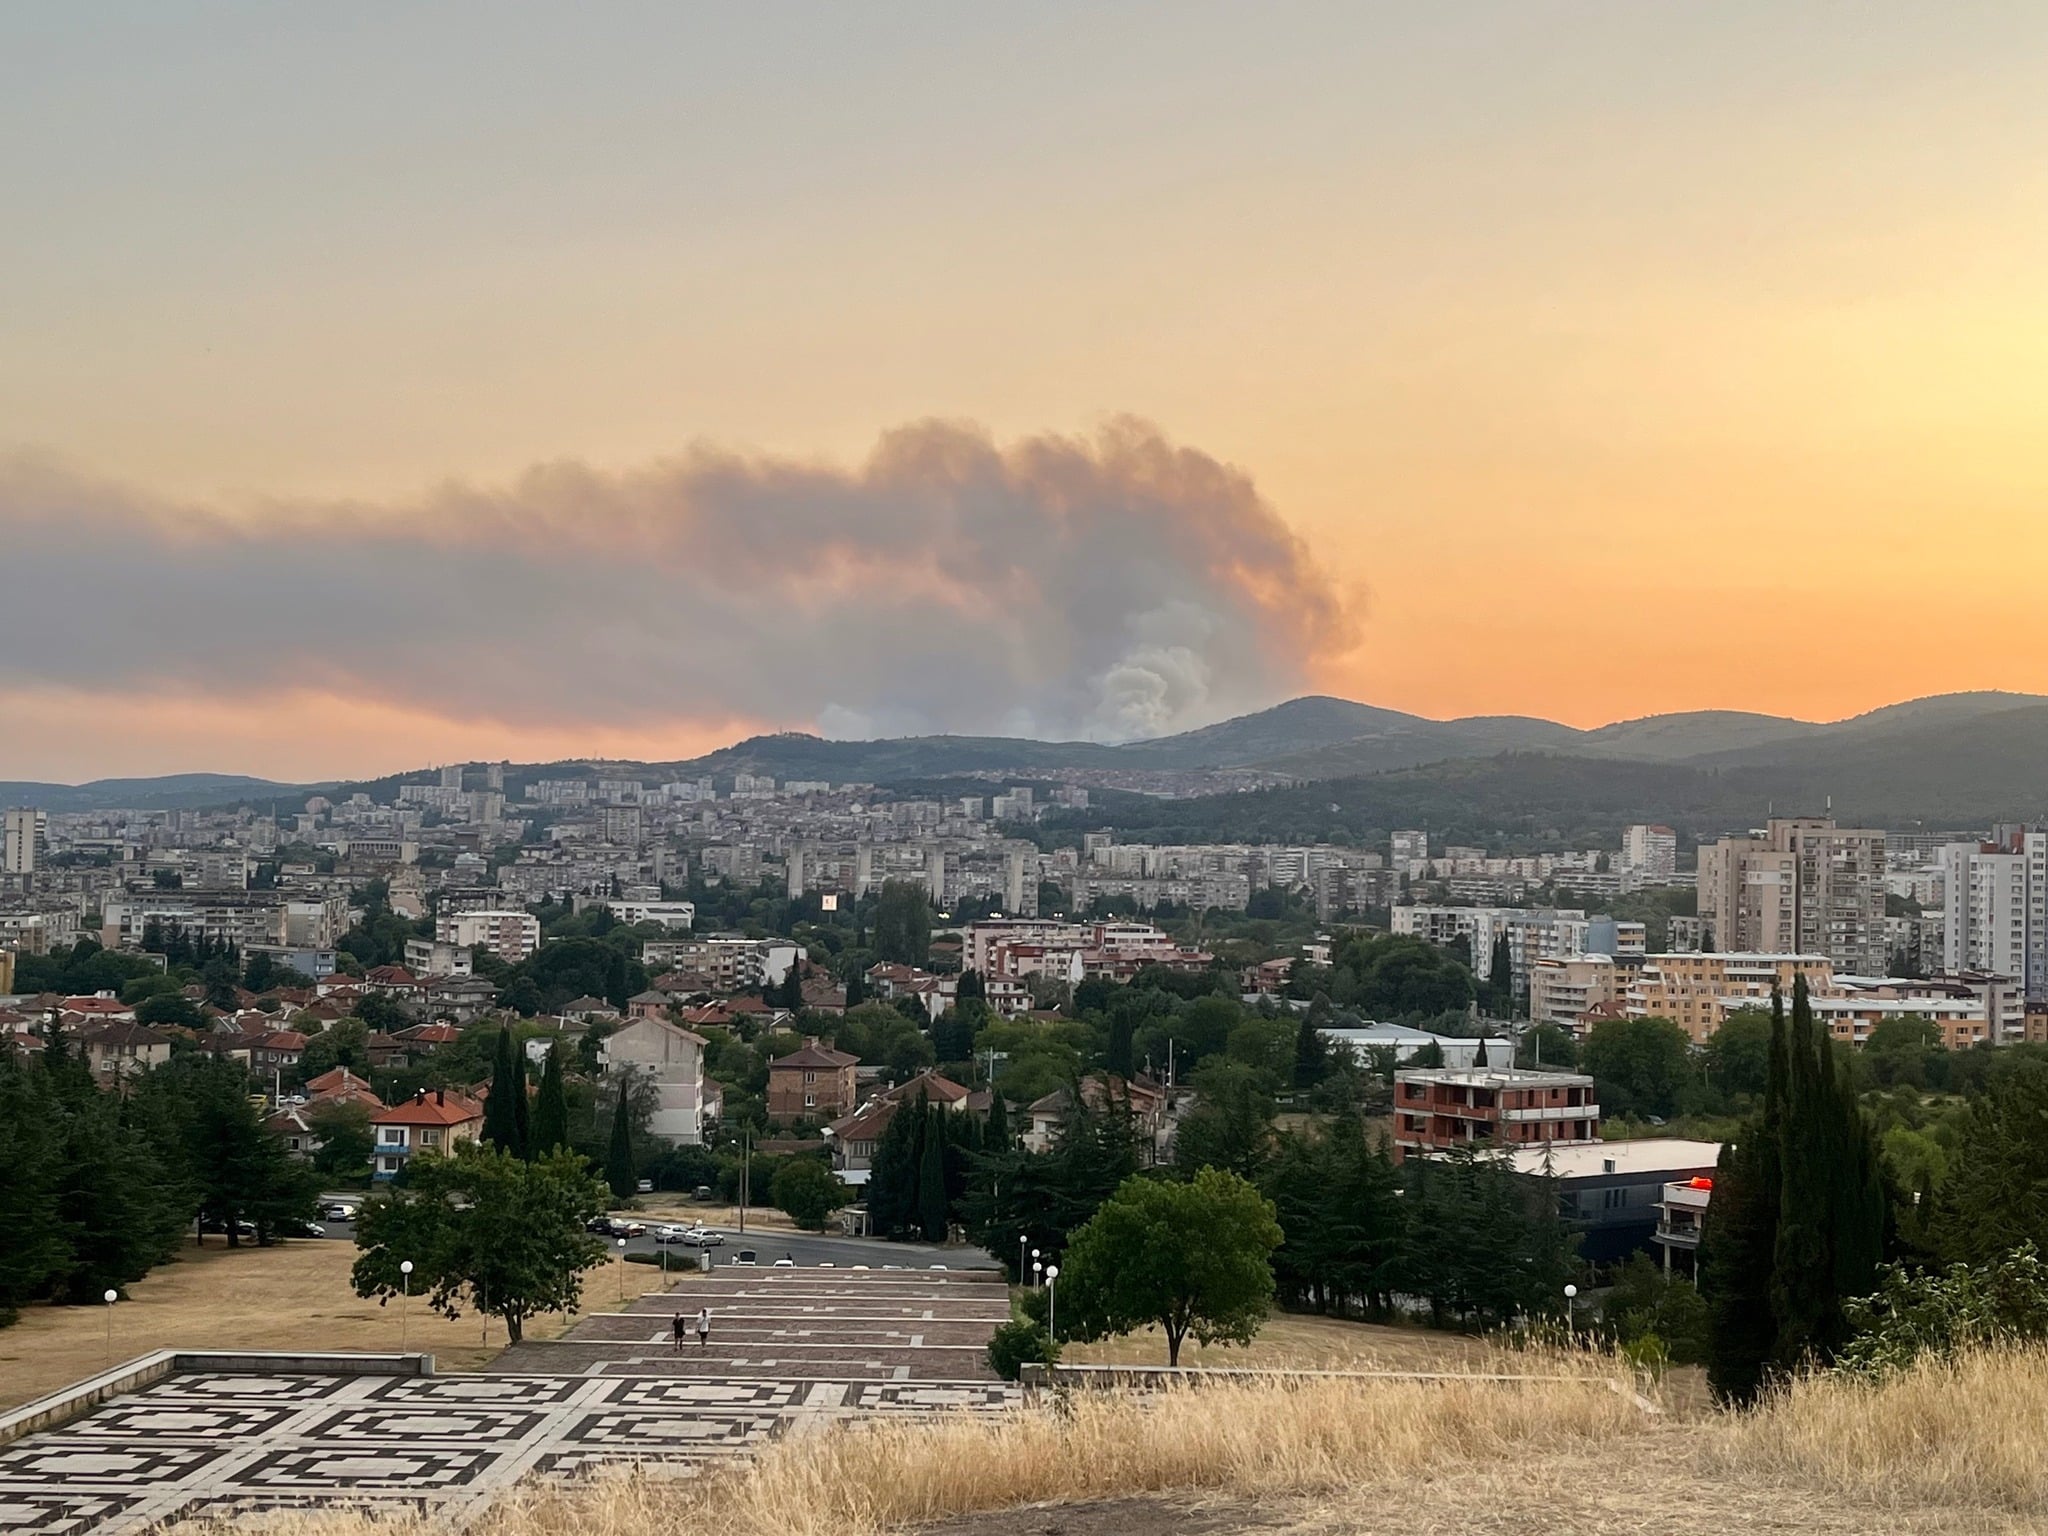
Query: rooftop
(1586, 1160)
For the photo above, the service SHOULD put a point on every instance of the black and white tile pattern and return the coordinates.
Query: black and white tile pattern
(231, 1446)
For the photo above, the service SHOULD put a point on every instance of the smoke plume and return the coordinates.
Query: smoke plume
(1110, 588)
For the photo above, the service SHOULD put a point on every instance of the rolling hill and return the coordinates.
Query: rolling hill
(1955, 760)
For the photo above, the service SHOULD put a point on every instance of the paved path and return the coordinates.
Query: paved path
(788, 1348)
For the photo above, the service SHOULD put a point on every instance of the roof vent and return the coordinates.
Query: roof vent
(1607, 1165)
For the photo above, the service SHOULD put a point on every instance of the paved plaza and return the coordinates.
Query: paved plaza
(789, 1349)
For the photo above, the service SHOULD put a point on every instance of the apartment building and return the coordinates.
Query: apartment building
(815, 1083)
(1801, 885)
(1651, 852)
(721, 962)
(1996, 914)
(435, 1119)
(1697, 992)
(510, 935)
(24, 840)
(1436, 1109)
(1563, 992)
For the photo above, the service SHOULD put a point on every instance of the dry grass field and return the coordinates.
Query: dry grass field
(1302, 1343)
(1938, 1453)
(295, 1296)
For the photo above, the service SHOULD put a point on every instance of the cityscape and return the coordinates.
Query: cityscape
(1037, 771)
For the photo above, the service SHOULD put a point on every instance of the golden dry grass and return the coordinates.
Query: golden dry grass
(1944, 1451)
(1302, 1343)
(1969, 1431)
(295, 1296)
(1246, 1440)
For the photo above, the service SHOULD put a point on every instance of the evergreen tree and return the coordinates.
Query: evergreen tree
(995, 1135)
(971, 984)
(522, 1109)
(932, 1207)
(1311, 1053)
(893, 1177)
(856, 988)
(1501, 982)
(1804, 1301)
(500, 1128)
(790, 994)
(1122, 1038)
(551, 1109)
(618, 1158)
(1479, 1056)
(1738, 1245)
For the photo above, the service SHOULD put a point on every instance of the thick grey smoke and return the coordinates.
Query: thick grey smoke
(1113, 588)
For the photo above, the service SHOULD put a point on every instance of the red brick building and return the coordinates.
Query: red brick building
(815, 1083)
(1439, 1108)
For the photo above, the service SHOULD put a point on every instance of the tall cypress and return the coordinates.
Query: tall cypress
(551, 1109)
(1803, 1274)
(500, 1126)
(1738, 1247)
(522, 1111)
(932, 1206)
(618, 1159)
(995, 1134)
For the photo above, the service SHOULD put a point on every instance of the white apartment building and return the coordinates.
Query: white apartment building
(24, 840)
(676, 916)
(673, 1058)
(1996, 917)
(1651, 851)
(510, 935)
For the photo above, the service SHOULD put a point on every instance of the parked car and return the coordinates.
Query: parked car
(703, 1237)
(599, 1224)
(337, 1211)
(785, 1262)
(745, 1256)
(645, 1186)
(304, 1229)
(671, 1234)
(619, 1226)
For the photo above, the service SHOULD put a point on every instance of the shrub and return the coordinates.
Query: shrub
(1946, 1312)
(1016, 1344)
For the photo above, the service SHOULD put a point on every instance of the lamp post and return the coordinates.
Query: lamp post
(404, 1298)
(1035, 1268)
(1052, 1303)
(1023, 1243)
(110, 1298)
(1571, 1321)
(622, 1271)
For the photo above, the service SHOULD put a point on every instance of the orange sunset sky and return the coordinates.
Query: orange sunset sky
(381, 385)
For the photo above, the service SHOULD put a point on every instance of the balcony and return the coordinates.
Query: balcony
(1554, 1112)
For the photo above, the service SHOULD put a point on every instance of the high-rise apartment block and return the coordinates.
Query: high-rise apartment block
(23, 841)
(1996, 916)
(1651, 852)
(1802, 885)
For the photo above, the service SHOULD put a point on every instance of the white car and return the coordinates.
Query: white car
(337, 1211)
(703, 1237)
(785, 1262)
(671, 1234)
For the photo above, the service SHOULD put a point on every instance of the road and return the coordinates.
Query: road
(807, 1248)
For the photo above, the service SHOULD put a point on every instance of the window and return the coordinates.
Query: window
(391, 1135)
(430, 1136)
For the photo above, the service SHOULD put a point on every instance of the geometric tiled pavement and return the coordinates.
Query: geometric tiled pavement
(789, 1349)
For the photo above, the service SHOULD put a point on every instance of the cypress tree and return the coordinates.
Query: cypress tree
(1812, 1150)
(856, 989)
(995, 1134)
(500, 1128)
(932, 1205)
(1122, 1035)
(618, 1159)
(1738, 1247)
(522, 1110)
(551, 1109)
(1311, 1056)
(1479, 1056)
(892, 1181)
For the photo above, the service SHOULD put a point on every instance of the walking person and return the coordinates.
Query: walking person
(678, 1331)
(703, 1328)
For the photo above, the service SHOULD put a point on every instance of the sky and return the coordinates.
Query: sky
(393, 383)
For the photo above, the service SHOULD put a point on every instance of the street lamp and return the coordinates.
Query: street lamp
(1023, 1243)
(1037, 1274)
(1571, 1321)
(110, 1298)
(1052, 1302)
(404, 1296)
(622, 1271)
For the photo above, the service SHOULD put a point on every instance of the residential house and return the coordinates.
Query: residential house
(439, 1119)
(1144, 1100)
(815, 1083)
(647, 1005)
(123, 1048)
(338, 1085)
(672, 1057)
(278, 1051)
(854, 1137)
